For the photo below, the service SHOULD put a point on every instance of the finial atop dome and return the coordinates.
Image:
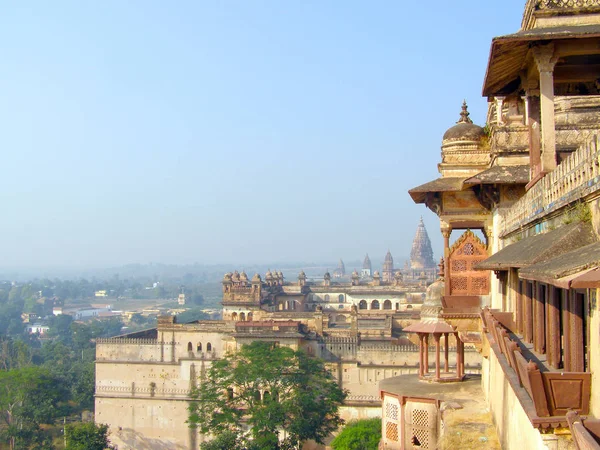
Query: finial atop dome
(464, 114)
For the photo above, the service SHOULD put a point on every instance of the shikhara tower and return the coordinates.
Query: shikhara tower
(421, 254)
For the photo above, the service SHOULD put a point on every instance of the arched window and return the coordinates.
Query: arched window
(266, 397)
(199, 347)
(234, 316)
(209, 347)
(397, 306)
(387, 304)
(249, 317)
(341, 298)
(340, 319)
(362, 304)
(230, 394)
(326, 297)
(375, 304)
(190, 347)
(409, 307)
(257, 396)
(242, 317)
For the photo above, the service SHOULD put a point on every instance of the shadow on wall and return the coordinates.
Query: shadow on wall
(128, 439)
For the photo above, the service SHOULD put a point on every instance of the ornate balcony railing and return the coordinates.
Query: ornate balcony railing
(575, 178)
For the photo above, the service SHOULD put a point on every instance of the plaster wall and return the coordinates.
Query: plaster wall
(143, 423)
(594, 358)
(512, 424)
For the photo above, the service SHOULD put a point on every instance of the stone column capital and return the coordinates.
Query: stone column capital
(544, 57)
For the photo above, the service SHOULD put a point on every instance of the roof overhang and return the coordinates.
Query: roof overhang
(577, 268)
(508, 53)
(430, 327)
(501, 175)
(449, 184)
(540, 247)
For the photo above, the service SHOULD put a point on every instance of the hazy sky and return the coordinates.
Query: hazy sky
(230, 131)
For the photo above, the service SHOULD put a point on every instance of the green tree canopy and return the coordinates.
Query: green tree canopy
(359, 435)
(28, 397)
(267, 389)
(87, 436)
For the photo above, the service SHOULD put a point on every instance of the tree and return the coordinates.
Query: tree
(28, 397)
(359, 435)
(268, 389)
(87, 436)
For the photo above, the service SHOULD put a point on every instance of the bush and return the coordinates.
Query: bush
(359, 435)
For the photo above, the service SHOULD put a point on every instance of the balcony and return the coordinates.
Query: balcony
(546, 394)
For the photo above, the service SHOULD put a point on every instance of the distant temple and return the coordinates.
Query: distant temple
(367, 270)
(340, 272)
(421, 265)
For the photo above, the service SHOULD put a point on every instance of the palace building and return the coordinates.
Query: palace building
(527, 294)
(143, 379)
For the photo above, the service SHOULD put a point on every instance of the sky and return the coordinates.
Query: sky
(234, 132)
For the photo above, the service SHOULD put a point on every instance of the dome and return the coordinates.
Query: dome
(355, 274)
(327, 276)
(268, 275)
(243, 276)
(301, 275)
(465, 129)
(256, 278)
(227, 276)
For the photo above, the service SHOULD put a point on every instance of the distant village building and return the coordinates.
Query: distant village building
(101, 293)
(37, 328)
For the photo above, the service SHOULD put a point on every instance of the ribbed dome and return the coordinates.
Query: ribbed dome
(465, 129)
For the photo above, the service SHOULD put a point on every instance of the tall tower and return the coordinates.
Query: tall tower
(366, 271)
(421, 254)
(388, 268)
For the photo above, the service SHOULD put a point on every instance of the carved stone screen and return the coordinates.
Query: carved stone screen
(463, 279)
(420, 425)
(391, 422)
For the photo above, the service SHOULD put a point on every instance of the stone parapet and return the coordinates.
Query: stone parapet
(575, 178)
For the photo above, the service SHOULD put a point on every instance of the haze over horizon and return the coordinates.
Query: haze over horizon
(230, 132)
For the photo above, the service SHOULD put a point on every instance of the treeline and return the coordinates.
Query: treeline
(45, 380)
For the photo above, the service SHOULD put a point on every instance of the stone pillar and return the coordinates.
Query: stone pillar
(426, 353)
(545, 61)
(446, 368)
(421, 354)
(576, 330)
(526, 107)
(499, 104)
(446, 233)
(539, 322)
(566, 301)
(436, 337)
(528, 331)
(459, 357)
(553, 328)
